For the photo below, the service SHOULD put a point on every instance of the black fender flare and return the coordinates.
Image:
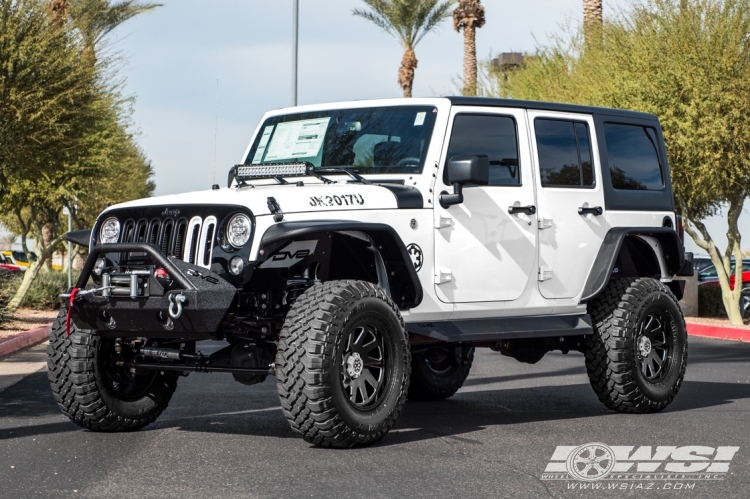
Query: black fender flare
(601, 272)
(402, 276)
(80, 237)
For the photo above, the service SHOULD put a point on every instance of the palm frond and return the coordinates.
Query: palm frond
(407, 20)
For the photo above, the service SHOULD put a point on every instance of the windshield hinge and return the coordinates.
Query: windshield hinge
(275, 209)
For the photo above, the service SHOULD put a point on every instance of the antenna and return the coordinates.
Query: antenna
(216, 127)
(295, 48)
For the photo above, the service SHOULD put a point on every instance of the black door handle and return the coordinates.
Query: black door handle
(529, 210)
(594, 210)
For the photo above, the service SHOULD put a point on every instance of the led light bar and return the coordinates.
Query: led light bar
(245, 172)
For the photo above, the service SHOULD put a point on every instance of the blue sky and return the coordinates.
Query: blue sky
(174, 56)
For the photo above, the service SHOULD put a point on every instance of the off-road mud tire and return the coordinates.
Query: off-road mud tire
(611, 352)
(75, 375)
(308, 376)
(439, 384)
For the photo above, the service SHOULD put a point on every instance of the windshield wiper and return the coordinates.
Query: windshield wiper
(352, 175)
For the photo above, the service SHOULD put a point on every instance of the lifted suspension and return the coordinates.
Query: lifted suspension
(222, 361)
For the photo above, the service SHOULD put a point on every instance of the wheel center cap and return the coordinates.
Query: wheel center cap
(354, 365)
(644, 346)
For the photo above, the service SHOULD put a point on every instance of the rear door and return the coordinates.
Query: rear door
(570, 199)
(483, 253)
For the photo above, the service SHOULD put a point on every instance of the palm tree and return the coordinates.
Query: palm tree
(469, 15)
(97, 18)
(408, 21)
(592, 19)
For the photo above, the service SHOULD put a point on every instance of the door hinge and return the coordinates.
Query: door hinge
(544, 223)
(443, 222)
(443, 277)
(545, 273)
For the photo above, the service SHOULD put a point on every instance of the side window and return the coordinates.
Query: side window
(565, 157)
(633, 158)
(493, 136)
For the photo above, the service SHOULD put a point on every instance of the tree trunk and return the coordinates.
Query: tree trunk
(30, 275)
(592, 20)
(470, 60)
(406, 71)
(730, 297)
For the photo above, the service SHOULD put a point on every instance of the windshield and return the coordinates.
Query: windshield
(366, 140)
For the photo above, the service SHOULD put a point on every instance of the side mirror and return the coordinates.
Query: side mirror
(463, 170)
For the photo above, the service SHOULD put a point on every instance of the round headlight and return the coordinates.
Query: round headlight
(110, 231)
(238, 230)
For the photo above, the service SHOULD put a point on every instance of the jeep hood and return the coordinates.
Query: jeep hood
(310, 197)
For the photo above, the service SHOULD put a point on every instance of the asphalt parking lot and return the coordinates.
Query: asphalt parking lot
(493, 439)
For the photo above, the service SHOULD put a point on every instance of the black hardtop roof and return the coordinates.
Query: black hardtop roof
(547, 106)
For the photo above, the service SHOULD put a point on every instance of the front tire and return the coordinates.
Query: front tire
(343, 364)
(439, 372)
(93, 392)
(637, 356)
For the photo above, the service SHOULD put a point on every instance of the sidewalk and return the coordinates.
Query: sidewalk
(20, 341)
(719, 329)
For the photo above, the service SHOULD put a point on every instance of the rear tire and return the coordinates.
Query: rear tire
(439, 372)
(95, 394)
(637, 356)
(343, 364)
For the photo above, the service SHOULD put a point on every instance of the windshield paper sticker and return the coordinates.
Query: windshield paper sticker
(342, 200)
(262, 145)
(297, 139)
(419, 120)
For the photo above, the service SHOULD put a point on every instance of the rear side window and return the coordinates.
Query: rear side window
(565, 158)
(633, 157)
(493, 136)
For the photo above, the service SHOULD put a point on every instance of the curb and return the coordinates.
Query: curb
(23, 340)
(719, 332)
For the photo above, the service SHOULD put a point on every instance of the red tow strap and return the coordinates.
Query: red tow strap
(73, 294)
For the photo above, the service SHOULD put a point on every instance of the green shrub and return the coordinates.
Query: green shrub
(710, 303)
(44, 293)
(8, 285)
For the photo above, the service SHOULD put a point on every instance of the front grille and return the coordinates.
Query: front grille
(172, 236)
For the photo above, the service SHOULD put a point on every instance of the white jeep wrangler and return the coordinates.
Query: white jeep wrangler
(363, 250)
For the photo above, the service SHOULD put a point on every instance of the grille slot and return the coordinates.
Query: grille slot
(179, 242)
(128, 232)
(192, 240)
(203, 257)
(140, 231)
(166, 237)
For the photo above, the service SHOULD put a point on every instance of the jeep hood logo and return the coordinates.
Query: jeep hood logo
(170, 213)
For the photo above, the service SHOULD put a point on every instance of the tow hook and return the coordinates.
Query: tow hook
(175, 305)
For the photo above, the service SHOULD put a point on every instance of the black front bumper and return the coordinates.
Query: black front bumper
(207, 298)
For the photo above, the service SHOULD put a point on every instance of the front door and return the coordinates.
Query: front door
(572, 225)
(483, 253)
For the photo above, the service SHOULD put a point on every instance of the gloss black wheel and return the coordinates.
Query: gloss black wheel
(96, 394)
(363, 366)
(637, 356)
(343, 364)
(654, 343)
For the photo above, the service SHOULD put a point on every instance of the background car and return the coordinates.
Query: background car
(18, 258)
(709, 273)
(700, 262)
(6, 267)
